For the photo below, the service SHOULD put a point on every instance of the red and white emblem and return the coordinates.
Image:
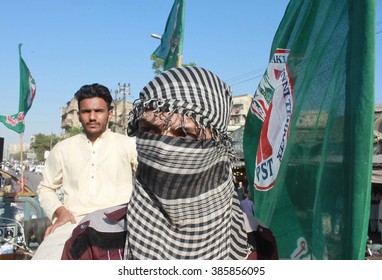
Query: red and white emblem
(273, 104)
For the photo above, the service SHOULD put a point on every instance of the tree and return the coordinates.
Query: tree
(43, 143)
(71, 132)
(157, 65)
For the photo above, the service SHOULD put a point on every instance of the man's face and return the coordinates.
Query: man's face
(94, 117)
(178, 126)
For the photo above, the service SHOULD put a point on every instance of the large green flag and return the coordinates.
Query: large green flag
(27, 93)
(170, 49)
(309, 133)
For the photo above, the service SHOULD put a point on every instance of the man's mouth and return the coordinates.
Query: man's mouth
(92, 125)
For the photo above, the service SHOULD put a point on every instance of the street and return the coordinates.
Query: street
(32, 179)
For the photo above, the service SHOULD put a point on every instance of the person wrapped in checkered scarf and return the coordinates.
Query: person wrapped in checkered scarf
(183, 204)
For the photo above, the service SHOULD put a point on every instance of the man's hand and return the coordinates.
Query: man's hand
(63, 216)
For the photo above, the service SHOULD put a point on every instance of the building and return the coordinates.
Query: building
(377, 129)
(240, 107)
(69, 115)
(15, 148)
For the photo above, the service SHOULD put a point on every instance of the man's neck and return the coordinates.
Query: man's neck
(93, 138)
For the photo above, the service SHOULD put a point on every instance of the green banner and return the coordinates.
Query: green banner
(27, 86)
(14, 122)
(170, 49)
(27, 93)
(309, 132)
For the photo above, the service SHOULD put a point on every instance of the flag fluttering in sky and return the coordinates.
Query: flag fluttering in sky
(309, 132)
(171, 47)
(27, 93)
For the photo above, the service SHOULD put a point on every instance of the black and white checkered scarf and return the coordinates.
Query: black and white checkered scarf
(184, 205)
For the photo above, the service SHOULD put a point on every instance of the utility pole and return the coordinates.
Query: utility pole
(115, 109)
(120, 124)
(123, 90)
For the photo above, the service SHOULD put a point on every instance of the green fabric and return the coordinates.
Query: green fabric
(27, 86)
(14, 122)
(27, 93)
(172, 40)
(308, 151)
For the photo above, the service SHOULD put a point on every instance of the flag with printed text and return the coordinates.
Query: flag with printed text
(309, 132)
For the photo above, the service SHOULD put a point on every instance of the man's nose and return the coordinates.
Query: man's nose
(92, 115)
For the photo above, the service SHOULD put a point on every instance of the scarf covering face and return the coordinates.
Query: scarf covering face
(183, 205)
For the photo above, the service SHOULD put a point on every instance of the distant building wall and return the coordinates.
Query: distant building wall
(377, 143)
(240, 107)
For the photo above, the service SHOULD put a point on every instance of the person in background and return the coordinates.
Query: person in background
(240, 191)
(183, 205)
(251, 223)
(94, 170)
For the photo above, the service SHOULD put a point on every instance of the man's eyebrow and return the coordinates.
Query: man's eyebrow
(90, 109)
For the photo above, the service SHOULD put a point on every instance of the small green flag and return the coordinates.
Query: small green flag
(170, 49)
(27, 93)
(14, 122)
(309, 133)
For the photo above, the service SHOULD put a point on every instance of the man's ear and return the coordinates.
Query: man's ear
(111, 111)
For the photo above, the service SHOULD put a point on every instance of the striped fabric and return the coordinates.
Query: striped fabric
(191, 91)
(184, 205)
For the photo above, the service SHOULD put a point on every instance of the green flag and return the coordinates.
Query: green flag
(27, 86)
(14, 122)
(170, 49)
(27, 93)
(309, 132)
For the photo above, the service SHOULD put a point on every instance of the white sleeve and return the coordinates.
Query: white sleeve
(52, 180)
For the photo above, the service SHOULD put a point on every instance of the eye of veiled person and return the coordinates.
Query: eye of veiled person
(183, 133)
(145, 126)
(174, 131)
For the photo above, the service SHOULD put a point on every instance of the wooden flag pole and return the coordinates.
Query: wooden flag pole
(179, 63)
(21, 164)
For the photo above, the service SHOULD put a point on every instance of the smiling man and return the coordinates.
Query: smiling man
(94, 169)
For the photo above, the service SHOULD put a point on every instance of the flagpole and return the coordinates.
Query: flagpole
(179, 63)
(21, 164)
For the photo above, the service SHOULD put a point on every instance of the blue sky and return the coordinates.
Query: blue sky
(69, 43)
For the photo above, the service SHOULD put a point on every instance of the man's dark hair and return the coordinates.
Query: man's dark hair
(94, 90)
